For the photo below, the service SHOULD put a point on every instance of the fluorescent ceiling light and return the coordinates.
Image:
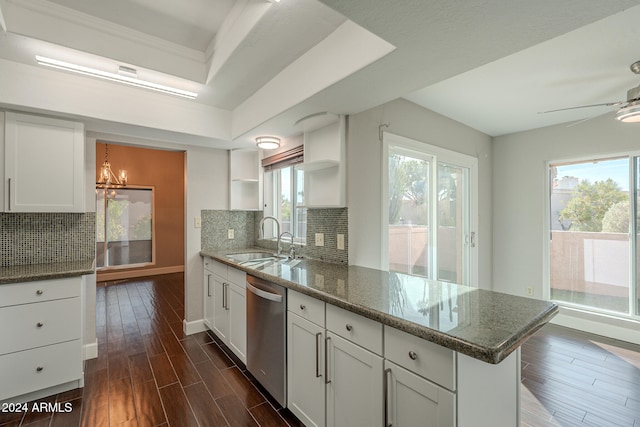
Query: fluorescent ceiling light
(67, 66)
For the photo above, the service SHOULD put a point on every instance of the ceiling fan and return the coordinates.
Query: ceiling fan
(629, 112)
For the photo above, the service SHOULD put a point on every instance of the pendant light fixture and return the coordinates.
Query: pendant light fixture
(107, 179)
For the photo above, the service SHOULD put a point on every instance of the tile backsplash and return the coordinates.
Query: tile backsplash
(329, 221)
(42, 238)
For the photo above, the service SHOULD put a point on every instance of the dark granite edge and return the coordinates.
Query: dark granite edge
(492, 355)
(36, 272)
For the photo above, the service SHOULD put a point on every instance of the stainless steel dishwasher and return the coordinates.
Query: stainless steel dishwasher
(267, 336)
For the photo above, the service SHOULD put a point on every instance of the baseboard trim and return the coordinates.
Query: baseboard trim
(103, 276)
(599, 324)
(193, 327)
(90, 351)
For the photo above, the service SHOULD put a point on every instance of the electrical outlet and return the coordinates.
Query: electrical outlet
(197, 222)
(319, 239)
(530, 291)
(230, 234)
(340, 241)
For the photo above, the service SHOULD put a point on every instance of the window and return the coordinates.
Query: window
(593, 262)
(124, 227)
(429, 211)
(284, 199)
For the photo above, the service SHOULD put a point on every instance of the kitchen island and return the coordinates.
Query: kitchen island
(483, 329)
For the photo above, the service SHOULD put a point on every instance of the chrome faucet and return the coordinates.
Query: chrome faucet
(292, 248)
(261, 229)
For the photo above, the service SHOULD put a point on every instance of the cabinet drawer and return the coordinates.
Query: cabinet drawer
(365, 332)
(35, 325)
(31, 370)
(237, 277)
(306, 307)
(216, 267)
(44, 290)
(425, 358)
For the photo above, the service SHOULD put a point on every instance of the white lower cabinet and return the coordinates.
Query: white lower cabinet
(354, 389)
(41, 330)
(334, 379)
(237, 301)
(413, 401)
(208, 293)
(225, 311)
(305, 369)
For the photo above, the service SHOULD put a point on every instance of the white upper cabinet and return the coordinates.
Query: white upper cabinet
(324, 165)
(245, 177)
(43, 164)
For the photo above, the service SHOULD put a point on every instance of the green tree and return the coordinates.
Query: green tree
(589, 204)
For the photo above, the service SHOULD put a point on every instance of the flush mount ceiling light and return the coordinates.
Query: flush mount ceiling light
(127, 76)
(267, 142)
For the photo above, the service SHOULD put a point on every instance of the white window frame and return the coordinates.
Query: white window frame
(271, 207)
(436, 154)
(546, 258)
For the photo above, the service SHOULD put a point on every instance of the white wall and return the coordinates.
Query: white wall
(519, 196)
(364, 174)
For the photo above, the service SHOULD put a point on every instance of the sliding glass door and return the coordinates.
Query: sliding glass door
(429, 211)
(594, 211)
(124, 227)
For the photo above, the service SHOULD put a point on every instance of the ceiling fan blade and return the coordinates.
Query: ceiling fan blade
(604, 104)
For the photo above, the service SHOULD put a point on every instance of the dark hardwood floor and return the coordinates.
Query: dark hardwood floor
(149, 373)
(570, 378)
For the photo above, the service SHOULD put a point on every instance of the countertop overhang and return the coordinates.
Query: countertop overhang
(34, 272)
(482, 324)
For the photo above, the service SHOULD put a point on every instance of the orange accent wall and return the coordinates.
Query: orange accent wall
(165, 170)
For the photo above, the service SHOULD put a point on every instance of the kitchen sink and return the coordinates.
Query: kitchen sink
(252, 256)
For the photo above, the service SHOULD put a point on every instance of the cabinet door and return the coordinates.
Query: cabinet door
(354, 392)
(44, 164)
(413, 401)
(305, 370)
(220, 308)
(208, 298)
(237, 296)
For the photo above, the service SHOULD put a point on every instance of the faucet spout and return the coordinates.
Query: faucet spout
(292, 248)
(261, 229)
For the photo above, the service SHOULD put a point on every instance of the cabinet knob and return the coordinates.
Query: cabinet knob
(39, 292)
(349, 327)
(39, 324)
(302, 307)
(413, 355)
(40, 368)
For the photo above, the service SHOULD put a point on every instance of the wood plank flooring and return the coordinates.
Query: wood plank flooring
(570, 378)
(150, 374)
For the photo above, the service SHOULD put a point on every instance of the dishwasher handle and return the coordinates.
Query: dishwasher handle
(264, 294)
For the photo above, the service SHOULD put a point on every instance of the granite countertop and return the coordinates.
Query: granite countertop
(482, 324)
(33, 272)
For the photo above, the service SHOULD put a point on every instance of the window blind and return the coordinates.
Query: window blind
(287, 158)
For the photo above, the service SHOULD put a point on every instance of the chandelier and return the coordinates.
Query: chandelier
(107, 179)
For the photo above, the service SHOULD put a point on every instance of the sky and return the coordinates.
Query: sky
(617, 169)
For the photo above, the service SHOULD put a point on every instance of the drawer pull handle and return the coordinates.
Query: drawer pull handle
(413, 355)
(39, 292)
(302, 307)
(40, 368)
(349, 327)
(39, 324)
